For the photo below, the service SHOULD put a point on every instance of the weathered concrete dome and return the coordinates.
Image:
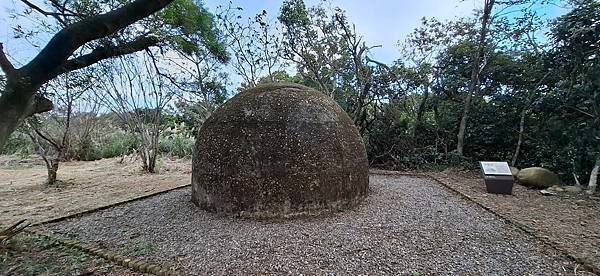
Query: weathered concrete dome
(278, 149)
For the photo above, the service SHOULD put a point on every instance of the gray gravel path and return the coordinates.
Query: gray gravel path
(407, 225)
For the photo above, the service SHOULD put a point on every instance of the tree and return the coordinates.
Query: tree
(138, 94)
(90, 29)
(576, 58)
(359, 74)
(53, 135)
(475, 71)
(253, 44)
(420, 49)
(311, 41)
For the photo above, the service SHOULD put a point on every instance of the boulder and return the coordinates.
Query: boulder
(537, 177)
(514, 171)
(278, 150)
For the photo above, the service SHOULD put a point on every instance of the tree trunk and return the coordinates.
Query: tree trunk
(52, 167)
(17, 103)
(474, 85)
(594, 178)
(520, 141)
(152, 162)
(420, 111)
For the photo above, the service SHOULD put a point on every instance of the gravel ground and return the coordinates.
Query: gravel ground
(406, 226)
(569, 220)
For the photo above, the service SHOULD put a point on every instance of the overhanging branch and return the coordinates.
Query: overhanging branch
(65, 42)
(105, 52)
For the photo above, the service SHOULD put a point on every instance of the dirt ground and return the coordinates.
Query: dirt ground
(570, 221)
(86, 185)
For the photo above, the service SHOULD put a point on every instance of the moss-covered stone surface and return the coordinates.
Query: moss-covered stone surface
(278, 149)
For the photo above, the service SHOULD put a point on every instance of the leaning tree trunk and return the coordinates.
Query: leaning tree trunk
(421, 111)
(475, 71)
(18, 101)
(520, 140)
(594, 177)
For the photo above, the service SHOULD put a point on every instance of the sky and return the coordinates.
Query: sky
(380, 22)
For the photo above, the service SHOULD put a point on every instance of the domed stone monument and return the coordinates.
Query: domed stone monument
(278, 150)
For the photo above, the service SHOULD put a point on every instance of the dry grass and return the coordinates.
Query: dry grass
(85, 186)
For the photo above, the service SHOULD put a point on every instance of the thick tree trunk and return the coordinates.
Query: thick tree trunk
(17, 103)
(520, 140)
(474, 84)
(593, 184)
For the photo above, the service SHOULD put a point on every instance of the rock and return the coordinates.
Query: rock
(514, 171)
(556, 188)
(572, 189)
(547, 193)
(537, 177)
(278, 150)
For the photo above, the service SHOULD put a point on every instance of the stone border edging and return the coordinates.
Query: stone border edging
(544, 240)
(79, 214)
(129, 263)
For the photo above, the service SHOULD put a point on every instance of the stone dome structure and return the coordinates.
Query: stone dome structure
(278, 150)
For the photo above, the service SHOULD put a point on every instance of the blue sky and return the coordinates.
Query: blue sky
(379, 22)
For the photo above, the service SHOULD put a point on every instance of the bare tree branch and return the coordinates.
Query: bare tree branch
(46, 13)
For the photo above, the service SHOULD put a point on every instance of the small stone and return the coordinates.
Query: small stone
(572, 189)
(547, 193)
(556, 188)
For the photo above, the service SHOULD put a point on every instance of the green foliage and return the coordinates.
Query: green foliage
(556, 88)
(294, 14)
(18, 143)
(107, 141)
(189, 25)
(29, 254)
(179, 144)
(117, 144)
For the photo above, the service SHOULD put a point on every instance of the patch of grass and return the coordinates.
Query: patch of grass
(142, 250)
(28, 254)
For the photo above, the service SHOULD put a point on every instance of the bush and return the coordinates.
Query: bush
(117, 144)
(85, 150)
(179, 145)
(18, 143)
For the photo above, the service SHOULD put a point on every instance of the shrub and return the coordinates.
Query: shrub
(118, 144)
(18, 143)
(179, 145)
